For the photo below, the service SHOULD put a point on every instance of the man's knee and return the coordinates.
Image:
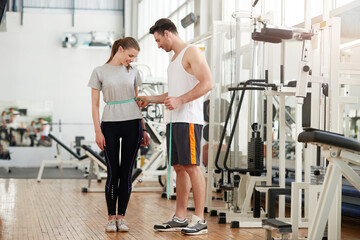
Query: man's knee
(191, 169)
(179, 169)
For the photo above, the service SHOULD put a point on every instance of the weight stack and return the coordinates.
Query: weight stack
(256, 153)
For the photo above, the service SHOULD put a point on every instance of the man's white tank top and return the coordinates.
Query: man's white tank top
(179, 83)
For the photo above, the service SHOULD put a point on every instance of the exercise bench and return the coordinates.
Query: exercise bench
(341, 151)
(95, 160)
(58, 160)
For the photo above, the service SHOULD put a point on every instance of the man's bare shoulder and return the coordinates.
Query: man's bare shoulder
(194, 49)
(192, 53)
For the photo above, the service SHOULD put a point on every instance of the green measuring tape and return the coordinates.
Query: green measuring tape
(169, 165)
(121, 102)
(130, 100)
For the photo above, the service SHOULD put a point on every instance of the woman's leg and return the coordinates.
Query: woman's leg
(111, 152)
(131, 140)
(32, 138)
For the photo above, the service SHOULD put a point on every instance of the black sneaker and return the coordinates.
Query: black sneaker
(196, 227)
(173, 225)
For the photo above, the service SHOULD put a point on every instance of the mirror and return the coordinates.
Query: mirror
(24, 124)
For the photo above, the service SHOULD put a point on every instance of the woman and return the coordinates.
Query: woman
(32, 131)
(3, 123)
(121, 118)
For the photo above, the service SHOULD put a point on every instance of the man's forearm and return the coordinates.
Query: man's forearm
(199, 90)
(159, 98)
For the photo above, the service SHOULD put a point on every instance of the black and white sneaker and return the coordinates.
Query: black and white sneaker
(196, 227)
(173, 225)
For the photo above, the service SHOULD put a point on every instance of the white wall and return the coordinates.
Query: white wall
(34, 66)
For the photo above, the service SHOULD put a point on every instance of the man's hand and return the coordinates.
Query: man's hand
(172, 103)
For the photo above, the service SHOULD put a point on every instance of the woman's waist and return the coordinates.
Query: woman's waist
(120, 101)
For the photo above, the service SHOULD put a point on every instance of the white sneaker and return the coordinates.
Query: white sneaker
(121, 226)
(111, 226)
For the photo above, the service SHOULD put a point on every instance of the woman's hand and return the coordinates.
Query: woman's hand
(100, 140)
(146, 139)
(141, 103)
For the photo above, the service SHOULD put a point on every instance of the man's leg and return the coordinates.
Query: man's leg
(182, 191)
(198, 188)
(179, 221)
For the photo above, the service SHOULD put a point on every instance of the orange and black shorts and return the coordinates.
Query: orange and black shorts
(185, 146)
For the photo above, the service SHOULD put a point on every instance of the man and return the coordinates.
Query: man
(44, 130)
(189, 79)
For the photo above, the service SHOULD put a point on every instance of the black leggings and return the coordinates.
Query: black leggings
(131, 134)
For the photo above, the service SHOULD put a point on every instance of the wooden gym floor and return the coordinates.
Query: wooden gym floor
(57, 209)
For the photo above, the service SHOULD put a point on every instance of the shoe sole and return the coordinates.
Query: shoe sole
(169, 230)
(123, 230)
(196, 233)
(110, 231)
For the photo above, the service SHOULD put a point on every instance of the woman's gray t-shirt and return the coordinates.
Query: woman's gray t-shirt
(117, 84)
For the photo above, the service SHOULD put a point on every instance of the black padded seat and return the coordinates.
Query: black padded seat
(67, 148)
(294, 83)
(95, 154)
(329, 138)
(276, 224)
(153, 136)
(136, 173)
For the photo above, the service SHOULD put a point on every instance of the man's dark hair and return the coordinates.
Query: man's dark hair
(163, 24)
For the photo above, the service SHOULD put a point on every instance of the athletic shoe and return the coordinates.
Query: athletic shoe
(196, 227)
(173, 225)
(111, 226)
(121, 226)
